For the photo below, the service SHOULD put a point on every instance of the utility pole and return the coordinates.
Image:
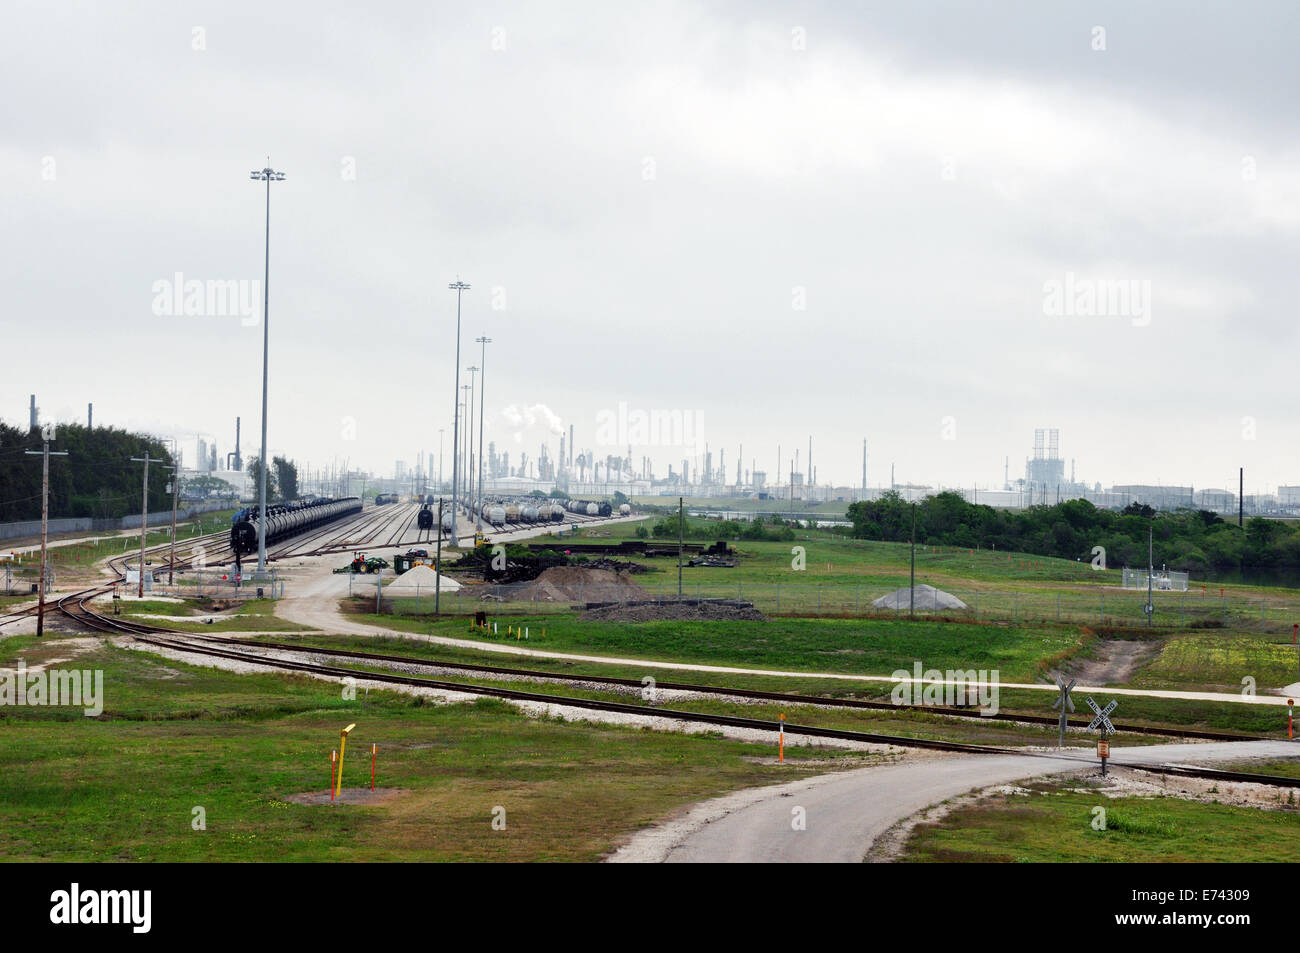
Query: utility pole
(441, 431)
(681, 533)
(45, 453)
(1150, 568)
(176, 479)
(144, 513)
(437, 564)
(1241, 497)
(267, 175)
(459, 287)
(911, 591)
(482, 389)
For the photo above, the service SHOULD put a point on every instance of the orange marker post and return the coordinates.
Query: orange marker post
(780, 740)
(1290, 720)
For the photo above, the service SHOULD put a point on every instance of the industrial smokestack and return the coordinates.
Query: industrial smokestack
(239, 461)
(90, 416)
(32, 425)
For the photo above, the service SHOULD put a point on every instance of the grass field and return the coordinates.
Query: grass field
(174, 737)
(249, 615)
(841, 576)
(1054, 823)
(863, 646)
(1156, 712)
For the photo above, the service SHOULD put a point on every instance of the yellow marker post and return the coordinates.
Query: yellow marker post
(343, 744)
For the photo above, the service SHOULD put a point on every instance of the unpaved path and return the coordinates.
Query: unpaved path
(1116, 661)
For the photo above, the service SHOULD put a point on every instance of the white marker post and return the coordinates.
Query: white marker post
(780, 740)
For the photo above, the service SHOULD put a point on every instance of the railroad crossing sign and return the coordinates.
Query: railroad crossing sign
(1065, 703)
(1102, 718)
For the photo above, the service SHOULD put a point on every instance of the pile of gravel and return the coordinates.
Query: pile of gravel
(573, 584)
(927, 597)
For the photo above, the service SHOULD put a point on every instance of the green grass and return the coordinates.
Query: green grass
(1053, 823)
(1282, 768)
(247, 616)
(861, 646)
(1220, 660)
(841, 576)
(174, 737)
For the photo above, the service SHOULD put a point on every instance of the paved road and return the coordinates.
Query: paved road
(846, 812)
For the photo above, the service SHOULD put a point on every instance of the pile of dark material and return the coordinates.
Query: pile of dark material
(525, 565)
(612, 565)
(726, 610)
(520, 565)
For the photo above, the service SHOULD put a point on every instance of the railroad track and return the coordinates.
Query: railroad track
(166, 638)
(74, 607)
(746, 693)
(812, 731)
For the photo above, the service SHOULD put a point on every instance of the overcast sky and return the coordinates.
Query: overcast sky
(843, 220)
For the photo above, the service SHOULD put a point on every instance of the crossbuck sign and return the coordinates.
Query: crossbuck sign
(1102, 718)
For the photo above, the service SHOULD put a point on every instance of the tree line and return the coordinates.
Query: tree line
(1184, 539)
(97, 478)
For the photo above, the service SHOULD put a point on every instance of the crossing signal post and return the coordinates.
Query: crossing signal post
(47, 434)
(1102, 721)
(1065, 703)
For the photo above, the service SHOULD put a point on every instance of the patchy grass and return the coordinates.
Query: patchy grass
(1053, 823)
(230, 616)
(865, 646)
(174, 737)
(1220, 661)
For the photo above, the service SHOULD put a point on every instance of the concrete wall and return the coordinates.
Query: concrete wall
(87, 525)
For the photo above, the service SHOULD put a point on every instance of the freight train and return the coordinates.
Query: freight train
(287, 519)
(425, 519)
(382, 499)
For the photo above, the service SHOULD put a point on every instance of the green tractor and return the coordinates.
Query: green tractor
(360, 564)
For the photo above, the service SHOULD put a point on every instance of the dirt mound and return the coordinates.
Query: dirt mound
(573, 584)
(699, 610)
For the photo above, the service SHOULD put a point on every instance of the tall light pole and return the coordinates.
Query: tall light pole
(469, 471)
(482, 387)
(464, 471)
(441, 431)
(267, 175)
(459, 287)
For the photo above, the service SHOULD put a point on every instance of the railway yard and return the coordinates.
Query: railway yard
(555, 711)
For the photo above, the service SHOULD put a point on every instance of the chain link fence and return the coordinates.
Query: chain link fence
(1103, 607)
